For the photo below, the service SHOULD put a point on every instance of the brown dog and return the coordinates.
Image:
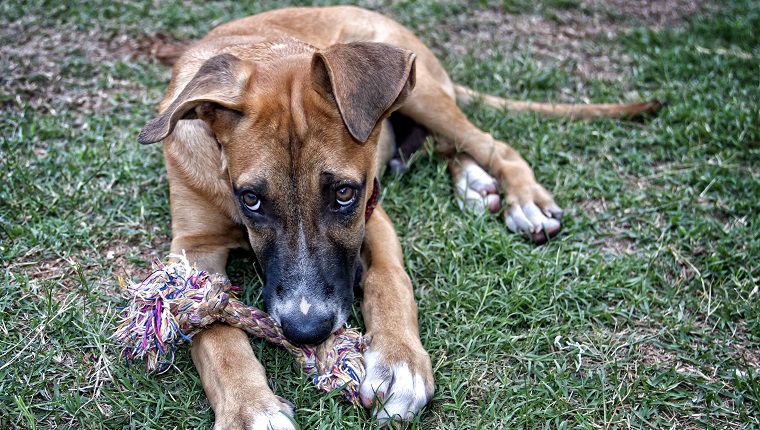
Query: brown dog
(274, 127)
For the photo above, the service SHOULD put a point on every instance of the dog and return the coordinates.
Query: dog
(275, 128)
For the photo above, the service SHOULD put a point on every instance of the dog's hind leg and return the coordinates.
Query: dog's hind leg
(530, 210)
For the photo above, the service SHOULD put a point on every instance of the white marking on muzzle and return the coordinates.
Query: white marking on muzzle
(304, 305)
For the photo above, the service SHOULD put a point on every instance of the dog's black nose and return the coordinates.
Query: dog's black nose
(309, 329)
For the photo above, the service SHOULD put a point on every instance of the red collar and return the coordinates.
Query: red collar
(372, 202)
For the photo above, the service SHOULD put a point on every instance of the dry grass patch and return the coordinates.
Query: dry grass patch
(580, 39)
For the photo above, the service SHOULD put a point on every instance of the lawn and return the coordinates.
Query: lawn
(643, 313)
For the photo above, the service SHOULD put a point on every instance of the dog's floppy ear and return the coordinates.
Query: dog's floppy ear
(219, 82)
(366, 80)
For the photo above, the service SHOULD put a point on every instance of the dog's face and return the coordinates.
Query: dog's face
(302, 183)
(298, 137)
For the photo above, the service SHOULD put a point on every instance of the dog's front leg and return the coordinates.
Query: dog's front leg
(235, 383)
(232, 377)
(399, 378)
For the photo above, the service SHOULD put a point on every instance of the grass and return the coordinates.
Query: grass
(643, 313)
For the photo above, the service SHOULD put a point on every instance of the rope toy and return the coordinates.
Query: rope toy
(177, 300)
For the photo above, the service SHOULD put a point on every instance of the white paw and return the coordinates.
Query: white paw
(530, 221)
(278, 415)
(272, 419)
(476, 190)
(393, 391)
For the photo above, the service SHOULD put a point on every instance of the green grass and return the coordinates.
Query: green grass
(643, 313)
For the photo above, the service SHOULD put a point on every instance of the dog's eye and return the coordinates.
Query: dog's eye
(251, 201)
(345, 195)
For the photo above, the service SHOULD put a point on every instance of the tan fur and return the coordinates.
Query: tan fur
(273, 117)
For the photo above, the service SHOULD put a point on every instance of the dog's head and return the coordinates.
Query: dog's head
(298, 135)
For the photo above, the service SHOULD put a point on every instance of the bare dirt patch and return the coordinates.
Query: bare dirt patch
(578, 38)
(656, 14)
(52, 68)
(33, 71)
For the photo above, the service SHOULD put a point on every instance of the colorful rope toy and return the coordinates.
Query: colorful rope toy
(177, 300)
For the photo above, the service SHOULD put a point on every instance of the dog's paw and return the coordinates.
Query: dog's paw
(531, 210)
(476, 190)
(268, 412)
(399, 379)
(533, 214)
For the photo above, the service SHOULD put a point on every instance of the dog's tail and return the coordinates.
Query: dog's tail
(569, 111)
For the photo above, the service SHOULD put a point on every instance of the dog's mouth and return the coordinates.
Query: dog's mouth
(309, 312)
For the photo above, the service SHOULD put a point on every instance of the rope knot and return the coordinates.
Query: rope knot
(177, 300)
